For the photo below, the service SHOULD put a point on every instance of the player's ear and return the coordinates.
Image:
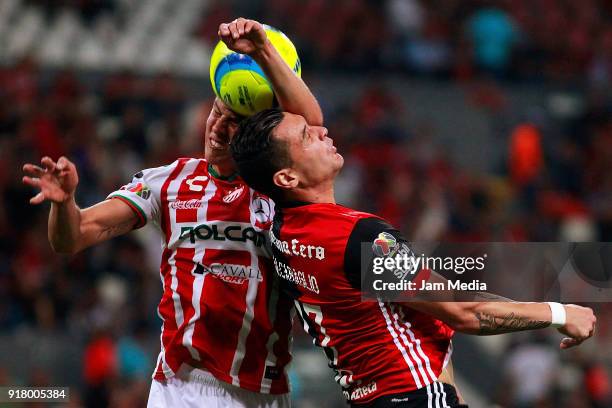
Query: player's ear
(285, 179)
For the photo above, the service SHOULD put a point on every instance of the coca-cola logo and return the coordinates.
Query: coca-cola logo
(186, 204)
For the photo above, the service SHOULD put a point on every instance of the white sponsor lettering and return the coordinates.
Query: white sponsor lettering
(297, 248)
(305, 280)
(186, 204)
(360, 392)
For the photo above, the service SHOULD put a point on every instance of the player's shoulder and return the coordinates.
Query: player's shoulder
(178, 164)
(350, 215)
(354, 214)
(198, 162)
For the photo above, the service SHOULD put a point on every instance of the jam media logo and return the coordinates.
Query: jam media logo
(384, 244)
(233, 195)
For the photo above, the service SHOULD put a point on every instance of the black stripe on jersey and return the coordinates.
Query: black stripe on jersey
(306, 321)
(287, 287)
(359, 254)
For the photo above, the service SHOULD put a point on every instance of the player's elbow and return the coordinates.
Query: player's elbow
(63, 247)
(316, 119)
(461, 318)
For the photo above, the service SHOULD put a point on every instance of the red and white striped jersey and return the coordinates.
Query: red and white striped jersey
(221, 308)
(376, 348)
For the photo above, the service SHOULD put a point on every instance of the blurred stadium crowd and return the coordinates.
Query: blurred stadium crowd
(552, 182)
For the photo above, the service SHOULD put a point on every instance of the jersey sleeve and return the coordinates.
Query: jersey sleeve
(142, 195)
(371, 242)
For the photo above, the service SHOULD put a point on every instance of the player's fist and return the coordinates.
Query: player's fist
(56, 181)
(243, 36)
(579, 325)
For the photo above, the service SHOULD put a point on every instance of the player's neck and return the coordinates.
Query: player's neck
(323, 194)
(223, 171)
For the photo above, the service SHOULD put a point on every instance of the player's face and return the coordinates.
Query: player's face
(313, 154)
(221, 125)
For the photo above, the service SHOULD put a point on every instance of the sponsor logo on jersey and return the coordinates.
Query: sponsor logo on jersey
(186, 204)
(360, 392)
(231, 273)
(197, 183)
(384, 244)
(230, 233)
(262, 209)
(296, 248)
(140, 189)
(233, 195)
(305, 280)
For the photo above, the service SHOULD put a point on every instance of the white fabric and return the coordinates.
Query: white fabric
(144, 191)
(192, 387)
(558, 316)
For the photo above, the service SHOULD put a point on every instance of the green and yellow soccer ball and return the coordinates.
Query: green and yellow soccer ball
(240, 82)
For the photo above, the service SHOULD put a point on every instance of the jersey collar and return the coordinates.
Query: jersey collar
(213, 172)
(293, 204)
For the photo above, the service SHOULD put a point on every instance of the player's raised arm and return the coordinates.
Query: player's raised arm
(70, 228)
(485, 313)
(249, 37)
(497, 315)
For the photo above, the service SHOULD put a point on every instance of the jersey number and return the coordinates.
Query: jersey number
(316, 330)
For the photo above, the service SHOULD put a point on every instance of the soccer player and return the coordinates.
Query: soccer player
(225, 332)
(385, 354)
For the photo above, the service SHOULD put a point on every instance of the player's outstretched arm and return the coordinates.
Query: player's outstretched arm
(70, 228)
(249, 37)
(488, 318)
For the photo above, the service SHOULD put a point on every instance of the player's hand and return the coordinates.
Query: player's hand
(579, 326)
(56, 181)
(243, 36)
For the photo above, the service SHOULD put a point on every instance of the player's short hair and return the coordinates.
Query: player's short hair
(258, 155)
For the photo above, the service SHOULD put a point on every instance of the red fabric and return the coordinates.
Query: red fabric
(597, 383)
(100, 361)
(525, 154)
(379, 348)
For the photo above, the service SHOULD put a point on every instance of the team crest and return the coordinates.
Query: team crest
(384, 244)
(233, 195)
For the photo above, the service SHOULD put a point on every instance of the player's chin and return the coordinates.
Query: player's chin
(338, 162)
(339, 159)
(217, 156)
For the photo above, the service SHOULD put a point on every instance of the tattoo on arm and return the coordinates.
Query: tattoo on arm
(490, 324)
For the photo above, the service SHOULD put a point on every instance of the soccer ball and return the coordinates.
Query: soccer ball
(240, 82)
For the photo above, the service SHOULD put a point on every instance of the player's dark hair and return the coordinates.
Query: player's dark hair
(258, 155)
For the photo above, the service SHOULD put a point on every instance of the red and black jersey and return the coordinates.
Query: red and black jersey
(376, 348)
